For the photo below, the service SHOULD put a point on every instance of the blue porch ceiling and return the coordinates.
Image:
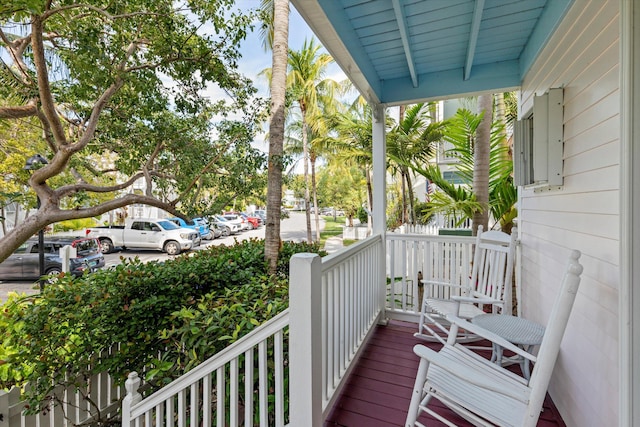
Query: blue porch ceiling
(404, 51)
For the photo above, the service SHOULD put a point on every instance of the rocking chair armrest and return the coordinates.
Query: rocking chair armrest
(467, 373)
(477, 300)
(494, 338)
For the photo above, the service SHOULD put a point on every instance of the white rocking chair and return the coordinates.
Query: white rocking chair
(490, 283)
(482, 392)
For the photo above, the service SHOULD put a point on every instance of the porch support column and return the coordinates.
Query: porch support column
(629, 291)
(305, 335)
(379, 170)
(380, 198)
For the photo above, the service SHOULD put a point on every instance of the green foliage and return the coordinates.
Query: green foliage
(131, 82)
(422, 213)
(362, 215)
(74, 224)
(459, 202)
(186, 309)
(343, 188)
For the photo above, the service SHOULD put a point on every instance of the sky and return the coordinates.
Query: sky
(255, 59)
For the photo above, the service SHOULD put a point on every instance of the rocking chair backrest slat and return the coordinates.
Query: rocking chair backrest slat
(493, 266)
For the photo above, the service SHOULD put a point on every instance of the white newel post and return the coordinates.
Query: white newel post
(132, 397)
(305, 334)
(66, 253)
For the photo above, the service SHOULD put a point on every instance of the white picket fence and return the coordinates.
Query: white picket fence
(99, 396)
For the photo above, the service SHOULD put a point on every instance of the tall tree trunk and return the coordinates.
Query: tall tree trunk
(501, 117)
(314, 189)
(305, 159)
(367, 174)
(411, 196)
(404, 199)
(276, 132)
(481, 162)
(3, 221)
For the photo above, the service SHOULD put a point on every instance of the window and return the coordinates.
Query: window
(453, 177)
(538, 145)
(21, 249)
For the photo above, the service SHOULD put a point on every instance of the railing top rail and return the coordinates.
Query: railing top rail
(428, 237)
(221, 358)
(330, 261)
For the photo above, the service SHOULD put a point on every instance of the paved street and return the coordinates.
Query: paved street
(292, 228)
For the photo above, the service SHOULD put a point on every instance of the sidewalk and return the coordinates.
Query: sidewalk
(333, 244)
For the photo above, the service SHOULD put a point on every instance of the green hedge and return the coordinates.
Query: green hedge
(187, 308)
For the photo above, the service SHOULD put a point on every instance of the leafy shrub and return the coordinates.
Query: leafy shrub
(74, 224)
(187, 308)
(362, 215)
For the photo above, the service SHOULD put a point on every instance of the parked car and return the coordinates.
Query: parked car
(326, 211)
(253, 221)
(141, 233)
(193, 224)
(216, 230)
(233, 226)
(24, 263)
(237, 219)
(262, 215)
(205, 229)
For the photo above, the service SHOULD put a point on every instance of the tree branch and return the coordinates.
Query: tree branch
(19, 112)
(16, 50)
(74, 188)
(95, 9)
(206, 168)
(46, 98)
(50, 213)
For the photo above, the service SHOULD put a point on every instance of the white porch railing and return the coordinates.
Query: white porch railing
(411, 257)
(334, 304)
(241, 385)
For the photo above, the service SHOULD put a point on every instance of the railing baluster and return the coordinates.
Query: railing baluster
(182, 408)
(193, 404)
(220, 397)
(169, 406)
(278, 358)
(248, 387)
(233, 393)
(263, 383)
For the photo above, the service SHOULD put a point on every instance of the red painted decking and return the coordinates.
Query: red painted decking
(378, 392)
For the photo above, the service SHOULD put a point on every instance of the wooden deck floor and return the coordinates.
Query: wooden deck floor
(378, 392)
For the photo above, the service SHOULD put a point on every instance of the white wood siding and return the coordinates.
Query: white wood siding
(582, 57)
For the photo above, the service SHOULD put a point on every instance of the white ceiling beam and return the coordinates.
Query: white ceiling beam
(473, 37)
(404, 35)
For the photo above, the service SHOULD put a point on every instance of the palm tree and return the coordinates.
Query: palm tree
(460, 202)
(412, 143)
(310, 90)
(319, 145)
(279, 10)
(481, 150)
(354, 141)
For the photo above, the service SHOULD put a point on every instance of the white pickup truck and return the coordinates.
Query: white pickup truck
(142, 233)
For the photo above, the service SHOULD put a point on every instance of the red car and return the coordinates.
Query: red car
(254, 221)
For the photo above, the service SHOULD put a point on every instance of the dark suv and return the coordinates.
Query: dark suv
(23, 264)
